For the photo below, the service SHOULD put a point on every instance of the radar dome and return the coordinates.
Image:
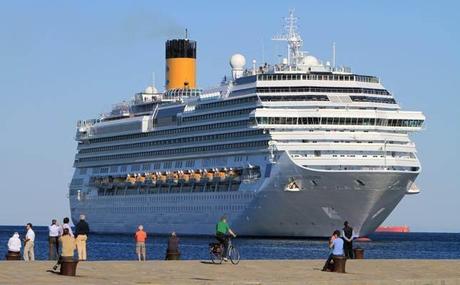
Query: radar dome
(237, 61)
(310, 60)
(150, 90)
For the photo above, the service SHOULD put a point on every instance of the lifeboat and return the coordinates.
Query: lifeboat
(233, 174)
(131, 179)
(209, 175)
(163, 177)
(222, 175)
(153, 178)
(184, 176)
(140, 178)
(197, 176)
(174, 177)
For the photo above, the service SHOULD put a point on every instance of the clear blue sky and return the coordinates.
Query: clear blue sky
(61, 61)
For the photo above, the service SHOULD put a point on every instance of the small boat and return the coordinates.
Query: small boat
(393, 229)
(363, 239)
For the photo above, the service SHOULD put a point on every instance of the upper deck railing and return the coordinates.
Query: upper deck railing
(290, 72)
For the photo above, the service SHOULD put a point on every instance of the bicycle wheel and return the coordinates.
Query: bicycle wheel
(234, 255)
(216, 257)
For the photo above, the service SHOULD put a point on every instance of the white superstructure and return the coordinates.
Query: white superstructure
(291, 149)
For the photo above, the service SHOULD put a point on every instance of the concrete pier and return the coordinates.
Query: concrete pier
(367, 272)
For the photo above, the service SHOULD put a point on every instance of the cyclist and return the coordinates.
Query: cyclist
(223, 233)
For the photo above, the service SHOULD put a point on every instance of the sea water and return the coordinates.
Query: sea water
(383, 245)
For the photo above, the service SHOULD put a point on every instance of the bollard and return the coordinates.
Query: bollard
(172, 255)
(359, 253)
(13, 255)
(69, 268)
(339, 263)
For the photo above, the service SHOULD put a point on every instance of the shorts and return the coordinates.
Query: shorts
(140, 247)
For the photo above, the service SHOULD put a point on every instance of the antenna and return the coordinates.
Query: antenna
(292, 37)
(263, 51)
(333, 54)
(186, 33)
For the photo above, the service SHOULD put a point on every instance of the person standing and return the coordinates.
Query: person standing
(172, 252)
(53, 240)
(66, 225)
(68, 248)
(348, 236)
(140, 236)
(81, 233)
(29, 240)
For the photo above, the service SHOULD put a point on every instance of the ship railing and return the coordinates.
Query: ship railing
(87, 123)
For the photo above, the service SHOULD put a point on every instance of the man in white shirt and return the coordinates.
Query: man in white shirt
(14, 244)
(29, 254)
(53, 240)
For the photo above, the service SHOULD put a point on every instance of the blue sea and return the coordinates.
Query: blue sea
(382, 246)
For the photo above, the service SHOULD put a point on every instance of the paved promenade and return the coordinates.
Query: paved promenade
(367, 272)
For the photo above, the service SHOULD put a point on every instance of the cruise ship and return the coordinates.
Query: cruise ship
(291, 149)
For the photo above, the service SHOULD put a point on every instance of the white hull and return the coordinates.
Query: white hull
(264, 208)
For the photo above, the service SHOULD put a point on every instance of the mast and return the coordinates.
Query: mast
(292, 37)
(333, 55)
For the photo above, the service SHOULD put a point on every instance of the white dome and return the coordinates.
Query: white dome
(150, 90)
(310, 60)
(237, 61)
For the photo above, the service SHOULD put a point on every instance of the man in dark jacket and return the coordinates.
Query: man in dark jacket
(347, 236)
(172, 252)
(81, 233)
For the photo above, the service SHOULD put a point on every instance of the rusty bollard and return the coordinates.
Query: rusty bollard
(339, 263)
(69, 268)
(13, 255)
(359, 253)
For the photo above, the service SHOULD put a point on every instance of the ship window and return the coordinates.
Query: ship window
(359, 182)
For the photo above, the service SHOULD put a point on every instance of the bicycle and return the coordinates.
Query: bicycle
(216, 252)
